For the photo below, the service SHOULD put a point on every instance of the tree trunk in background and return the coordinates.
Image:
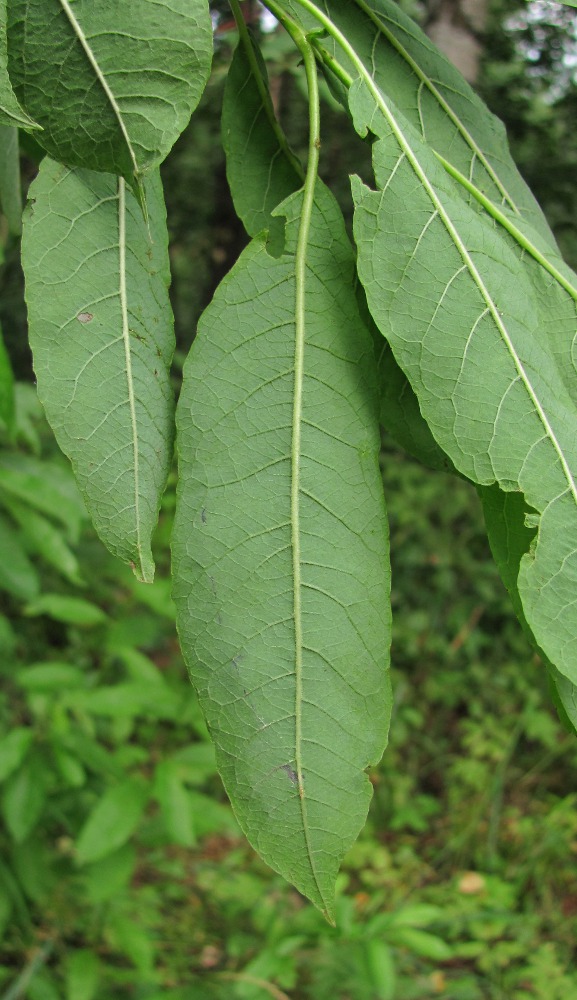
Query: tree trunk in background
(455, 27)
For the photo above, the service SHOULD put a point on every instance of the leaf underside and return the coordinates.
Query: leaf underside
(453, 297)
(101, 333)
(289, 658)
(113, 85)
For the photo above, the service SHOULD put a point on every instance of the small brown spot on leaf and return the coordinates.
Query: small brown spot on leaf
(290, 771)
(84, 317)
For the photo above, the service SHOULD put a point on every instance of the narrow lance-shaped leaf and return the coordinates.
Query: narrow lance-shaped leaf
(280, 549)
(101, 335)
(10, 111)
(112, 84)
(462, 316)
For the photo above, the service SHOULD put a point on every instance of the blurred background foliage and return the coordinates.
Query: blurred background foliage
(123, 873)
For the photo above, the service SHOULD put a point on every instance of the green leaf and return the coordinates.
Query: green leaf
(260, 168)
(450, 292)
(109, 877)
(6, 388)
(10, 191)
(70, 610)
(17, 574)
(47, 487)
(101, 334)
(44, 539)
(10, 111)
(23, 798)
(113, 85)
(381, 968)
(112, 821)
(175, 804)
(13, 749)
(129, 700)
(82, 975)
(280, 548)
(421, 943)
(50, 677)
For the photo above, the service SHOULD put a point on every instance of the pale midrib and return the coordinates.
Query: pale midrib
(443, 215)
(428, 83)
(128, 362)
(101, 78)
(295, 493)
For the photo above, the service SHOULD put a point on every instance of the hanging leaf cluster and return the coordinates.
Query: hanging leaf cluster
(452, 321)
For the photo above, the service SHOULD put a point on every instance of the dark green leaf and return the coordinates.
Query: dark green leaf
(11, 113)
(113, 85)
(10, 192)
(260, 168)
(6, 388)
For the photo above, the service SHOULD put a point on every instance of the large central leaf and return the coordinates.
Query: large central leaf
(280, 549)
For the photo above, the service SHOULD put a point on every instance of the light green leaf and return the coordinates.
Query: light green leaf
(101, 334)
(450, 292)
(52, 492)
(280, 549)
(17, 574)
(13, 749)
(10, 191)
(112, 821)
(50, 677)
(128, 700)
(82, 974)
(44, 539)
(113, 85)
(260, 168)
(71, 610)
(175, 804)
(10, 111)
(23, 798)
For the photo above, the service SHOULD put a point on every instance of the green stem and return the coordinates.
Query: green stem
(300, 335)
(507, 223)
(256, 70)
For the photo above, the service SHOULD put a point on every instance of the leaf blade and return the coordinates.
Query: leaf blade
(102, 347)
(501, 430)
(127, 82)
(235, 576)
